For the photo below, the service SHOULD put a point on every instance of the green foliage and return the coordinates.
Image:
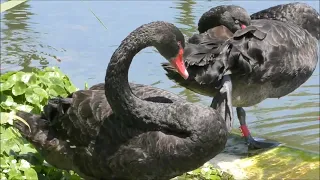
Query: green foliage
(30, 92)
(205, 172)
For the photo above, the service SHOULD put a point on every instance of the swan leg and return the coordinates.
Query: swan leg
(223, 101)
(252, 143)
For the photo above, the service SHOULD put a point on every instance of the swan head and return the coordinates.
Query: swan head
(170, 43)
(235, 18)
(178, 63)
(231, 16)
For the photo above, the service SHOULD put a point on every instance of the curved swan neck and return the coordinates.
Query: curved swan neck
(117, 87)
(118, 92)
(209, 20)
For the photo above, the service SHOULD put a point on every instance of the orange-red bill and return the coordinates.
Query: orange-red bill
(178, 63)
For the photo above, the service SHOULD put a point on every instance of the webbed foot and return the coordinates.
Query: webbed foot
(251, 142)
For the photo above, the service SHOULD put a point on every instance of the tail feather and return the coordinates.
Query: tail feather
(38, 126)
(44, 139)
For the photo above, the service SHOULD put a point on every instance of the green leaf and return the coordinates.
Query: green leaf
(30, 174)
(19, 88)
(23, 165)
(74, 177)
(15, 174)
(6, 85)
(41, 92)
(29, 78)
(10, 144)
(45, 80)
(195, 172)
(16, 77)
(7, 101)
(56, 81)
(27, 148)
(52, 74)
(3, 163)
(214, 177)
(56, 90)
(6, 134)
(32, 97)
(3, 176)
(25, 77)
(25, 108)
(4, 77)
(71, 89)
(68, 85)
(5, 117)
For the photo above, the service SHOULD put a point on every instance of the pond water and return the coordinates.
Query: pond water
(66, 34)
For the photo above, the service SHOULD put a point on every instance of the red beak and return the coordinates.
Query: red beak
(178, 63)
(243, 26)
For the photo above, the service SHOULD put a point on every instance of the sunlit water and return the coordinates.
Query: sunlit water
(41, 34)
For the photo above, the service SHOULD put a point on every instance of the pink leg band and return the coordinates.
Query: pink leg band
(245, 131)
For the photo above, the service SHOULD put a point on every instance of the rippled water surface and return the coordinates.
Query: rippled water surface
(66, 34)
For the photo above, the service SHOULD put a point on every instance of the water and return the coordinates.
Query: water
(66, 34)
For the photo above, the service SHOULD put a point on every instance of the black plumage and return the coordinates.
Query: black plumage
(119, 130)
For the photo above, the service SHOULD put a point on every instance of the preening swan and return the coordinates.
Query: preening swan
(282, 55)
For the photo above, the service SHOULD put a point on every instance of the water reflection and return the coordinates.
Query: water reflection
(187, 22)
(20, 45)
(293, 119)
(186, 17)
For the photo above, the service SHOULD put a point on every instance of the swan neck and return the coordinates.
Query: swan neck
(117, 88)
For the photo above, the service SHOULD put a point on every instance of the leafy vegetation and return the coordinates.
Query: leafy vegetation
(205, 172)
(30, 91)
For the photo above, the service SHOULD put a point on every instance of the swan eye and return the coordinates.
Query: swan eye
(236, 21)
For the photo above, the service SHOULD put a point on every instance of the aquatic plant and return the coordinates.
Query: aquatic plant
(28, 91)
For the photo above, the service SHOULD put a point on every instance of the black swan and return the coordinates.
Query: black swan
(282, 60)
(129, 133)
